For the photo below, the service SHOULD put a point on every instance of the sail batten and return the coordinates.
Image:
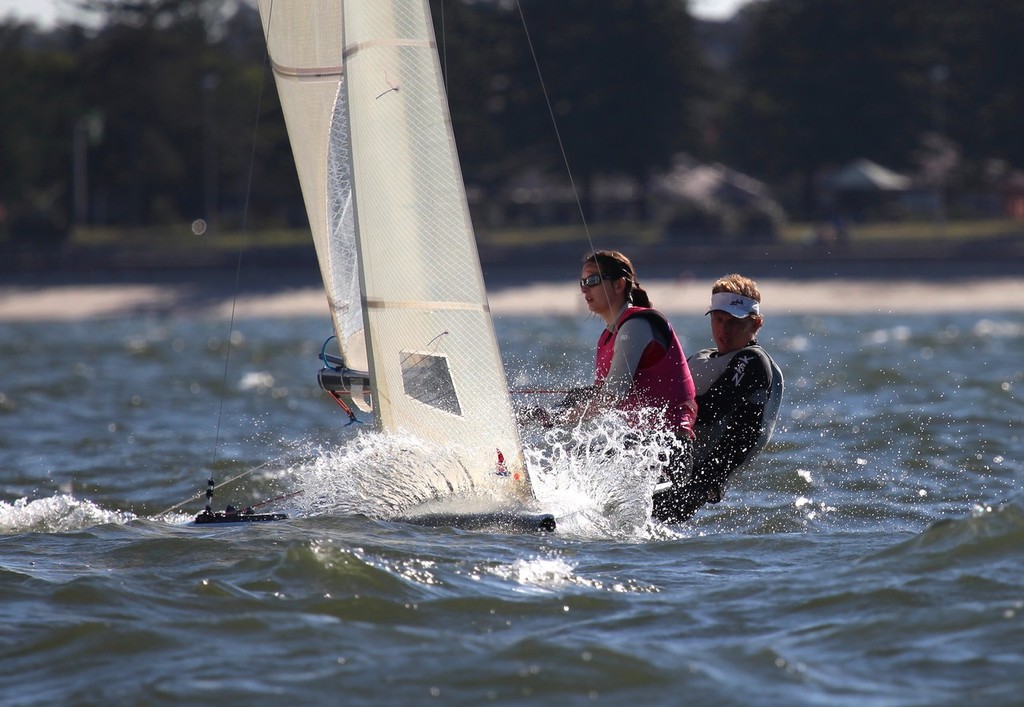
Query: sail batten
(352, 49)
(308, 72)
(430, 305)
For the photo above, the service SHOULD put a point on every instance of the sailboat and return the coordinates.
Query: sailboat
(364, 103)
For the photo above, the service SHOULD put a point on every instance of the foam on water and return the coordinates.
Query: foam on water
(379, 475)
(56, 514)
(597, 478)
(555, 573)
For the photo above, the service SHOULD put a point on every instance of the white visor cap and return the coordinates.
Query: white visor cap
(736, 305)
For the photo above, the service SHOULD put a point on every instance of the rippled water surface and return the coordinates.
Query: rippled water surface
(873, 556)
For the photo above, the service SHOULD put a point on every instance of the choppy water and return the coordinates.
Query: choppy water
(874, 556)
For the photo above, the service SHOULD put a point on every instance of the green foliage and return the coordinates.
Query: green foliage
(35, 136)
(578, 56)
(191, 127)
(827, 81)
(180, 104)
(620, 76)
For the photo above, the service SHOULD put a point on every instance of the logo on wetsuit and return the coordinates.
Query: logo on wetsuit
(741, 368)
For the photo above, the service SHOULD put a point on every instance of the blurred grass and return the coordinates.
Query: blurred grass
(793, 233)
(182, 237)
(960, 231)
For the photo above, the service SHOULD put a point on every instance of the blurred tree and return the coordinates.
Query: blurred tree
(622, 77)
(827, 81)
(979, 46)
(190, 114)
(824, 82)
(179, 95)
(36, 134)
(476, 46)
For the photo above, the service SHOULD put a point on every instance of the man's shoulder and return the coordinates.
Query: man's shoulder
(755, 351)
(702, 355)
(743, 356)
(750, 365)
(754, 355)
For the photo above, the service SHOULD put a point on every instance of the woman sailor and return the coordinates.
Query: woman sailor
(640, 370)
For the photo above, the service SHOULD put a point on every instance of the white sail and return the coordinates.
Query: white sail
(304, 43)
(361, 88)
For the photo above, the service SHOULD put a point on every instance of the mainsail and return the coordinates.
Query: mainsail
(360, 85)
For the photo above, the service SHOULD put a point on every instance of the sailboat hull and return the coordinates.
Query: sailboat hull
(502, 521)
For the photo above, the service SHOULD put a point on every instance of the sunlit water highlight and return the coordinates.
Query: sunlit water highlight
(872, 557)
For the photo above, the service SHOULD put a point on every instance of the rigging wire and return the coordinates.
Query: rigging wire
(561, 146)
(554, 124)
(444, 51)
(238, 262)
(540, 391)
(221, 485)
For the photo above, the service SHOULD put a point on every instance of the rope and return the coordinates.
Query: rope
(540, 391)
(348, 411)
(276, 498)
(554, 124)
(238, 265)
(209, 489)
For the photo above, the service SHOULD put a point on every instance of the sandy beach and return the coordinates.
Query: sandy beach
(686, 295)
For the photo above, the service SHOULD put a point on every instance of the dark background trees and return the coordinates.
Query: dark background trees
(827, 81)
(38, 92)
(824, 82)
(165, 111)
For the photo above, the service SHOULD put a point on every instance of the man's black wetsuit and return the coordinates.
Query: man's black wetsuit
(738, 398)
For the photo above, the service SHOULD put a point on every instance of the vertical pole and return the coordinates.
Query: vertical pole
(209, 85)
(938, 75)
(79, 171)
(209, 495)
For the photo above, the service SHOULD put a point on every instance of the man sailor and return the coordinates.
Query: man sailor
(739, 391)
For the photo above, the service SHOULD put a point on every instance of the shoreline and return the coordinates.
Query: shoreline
(682, 295)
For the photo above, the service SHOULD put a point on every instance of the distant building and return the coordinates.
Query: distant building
(1013, 196)
(713, 203)
(863, 190)
(692, 201)
(534, 198)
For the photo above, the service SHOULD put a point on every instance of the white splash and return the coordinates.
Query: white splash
(379, 475)
(555, 573)
(55, 514)
(541, 573)
(256, 380)
(597, 479)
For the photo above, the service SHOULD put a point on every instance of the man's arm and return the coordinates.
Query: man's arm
(738, 397)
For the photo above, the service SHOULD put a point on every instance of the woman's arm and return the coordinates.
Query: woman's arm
(634, 339)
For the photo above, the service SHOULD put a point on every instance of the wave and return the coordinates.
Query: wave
(987, 537)
(56, 514)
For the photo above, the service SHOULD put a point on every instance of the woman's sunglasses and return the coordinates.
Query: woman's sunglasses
(595, 280)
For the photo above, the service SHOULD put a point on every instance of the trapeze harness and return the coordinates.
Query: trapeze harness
(661, 380)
